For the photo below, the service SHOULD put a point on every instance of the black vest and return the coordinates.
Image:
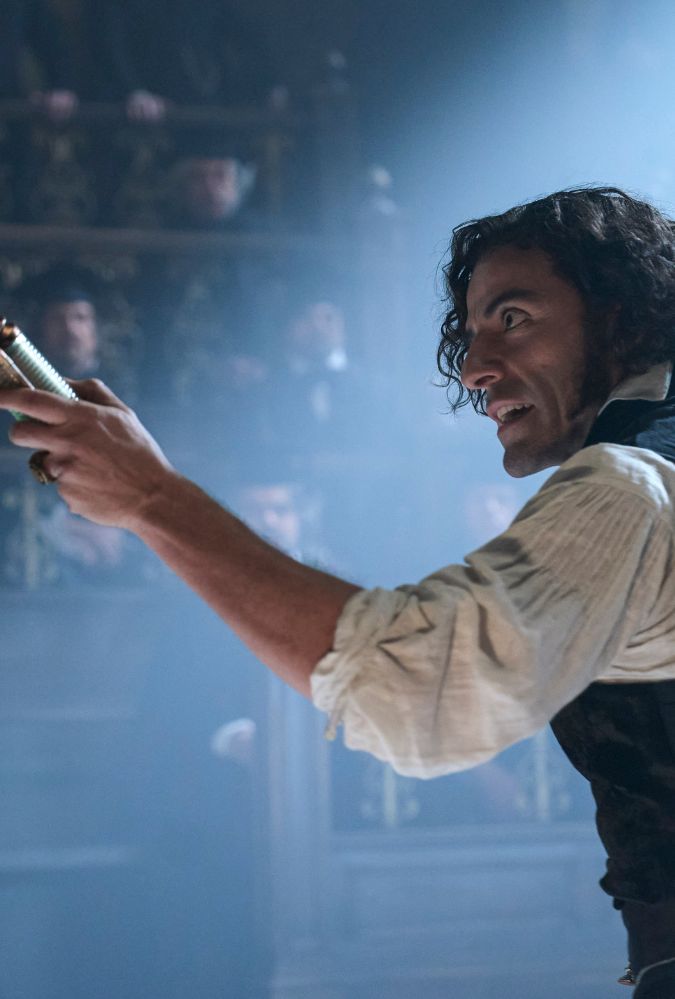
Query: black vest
(621, 737)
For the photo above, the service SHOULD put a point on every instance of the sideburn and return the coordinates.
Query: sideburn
(599, 376)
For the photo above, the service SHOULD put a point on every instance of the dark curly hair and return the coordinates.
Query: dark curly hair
(614, 249)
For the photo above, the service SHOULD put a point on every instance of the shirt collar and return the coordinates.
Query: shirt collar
(651, 385)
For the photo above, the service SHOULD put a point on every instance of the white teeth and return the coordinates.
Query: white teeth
(503, 411)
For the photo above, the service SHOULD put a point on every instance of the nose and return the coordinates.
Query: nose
(482, 366)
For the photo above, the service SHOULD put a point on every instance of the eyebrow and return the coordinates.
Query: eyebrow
(524, 294)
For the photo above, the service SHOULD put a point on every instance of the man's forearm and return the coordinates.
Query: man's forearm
(284, 611)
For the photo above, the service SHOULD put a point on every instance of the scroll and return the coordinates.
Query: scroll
(23, 366)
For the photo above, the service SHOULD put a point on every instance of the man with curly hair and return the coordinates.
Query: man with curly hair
(561, 328)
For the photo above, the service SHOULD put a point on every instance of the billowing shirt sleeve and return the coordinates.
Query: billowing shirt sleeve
(442, 675)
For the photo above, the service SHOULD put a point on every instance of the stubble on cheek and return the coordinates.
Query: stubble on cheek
(590, 385)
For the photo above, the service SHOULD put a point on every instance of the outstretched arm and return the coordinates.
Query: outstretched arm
(109, 469)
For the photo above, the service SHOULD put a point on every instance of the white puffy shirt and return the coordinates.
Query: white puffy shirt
(444, 674)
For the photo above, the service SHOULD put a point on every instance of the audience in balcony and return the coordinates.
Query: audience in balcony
(182, 53)
(210, 185)
(36, 62)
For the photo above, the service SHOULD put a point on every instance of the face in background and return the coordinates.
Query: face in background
(533, 354)
(489, 508)
(69, 336)
(318, 330)
(272, 511)
(212, 189)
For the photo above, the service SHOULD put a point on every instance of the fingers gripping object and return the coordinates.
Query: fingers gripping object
(23, 366)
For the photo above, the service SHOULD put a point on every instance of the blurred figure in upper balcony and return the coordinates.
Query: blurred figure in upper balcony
(210, 186)
(154, 56)
(36, 62)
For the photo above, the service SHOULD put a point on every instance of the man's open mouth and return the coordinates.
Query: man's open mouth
(511, 414)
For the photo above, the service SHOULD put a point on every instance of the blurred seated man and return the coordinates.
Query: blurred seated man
(66, 324)
(312, 392)
(286, 513)
(299, 396)
(316, 358)
(300, 393)
(316, 337)
(210, 187)
(271, 508)
(33, 26)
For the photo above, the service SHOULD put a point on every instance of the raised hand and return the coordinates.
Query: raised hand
(105, 464)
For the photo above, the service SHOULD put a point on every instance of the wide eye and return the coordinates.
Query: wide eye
(512, 317)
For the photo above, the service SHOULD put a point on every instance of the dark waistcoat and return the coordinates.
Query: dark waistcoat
(621, 737)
